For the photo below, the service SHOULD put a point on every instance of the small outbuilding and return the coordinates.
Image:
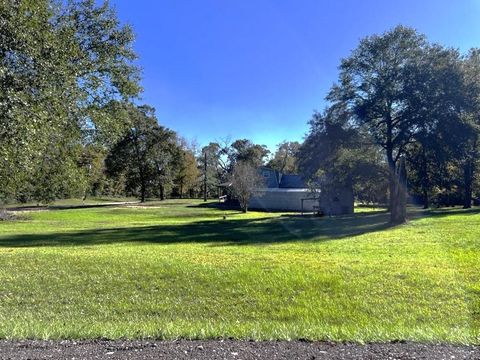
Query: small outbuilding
(289, 192)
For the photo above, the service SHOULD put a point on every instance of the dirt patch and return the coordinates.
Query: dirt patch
(229, 349)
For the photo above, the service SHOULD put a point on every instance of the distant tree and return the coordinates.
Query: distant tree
(144, 154)
(186, 169)
(243, 150)
(224, 155)
(245, 180)
(92, 162)
(217, 166)
(285, 158)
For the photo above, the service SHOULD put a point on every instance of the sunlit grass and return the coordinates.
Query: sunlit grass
(363, 208)
(179, 269)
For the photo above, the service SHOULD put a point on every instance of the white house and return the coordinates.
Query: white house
(291, 193)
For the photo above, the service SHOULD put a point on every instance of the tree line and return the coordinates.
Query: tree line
(401, 100)
(403, 116)
(70, 125)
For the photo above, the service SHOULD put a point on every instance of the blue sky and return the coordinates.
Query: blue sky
(257, 69)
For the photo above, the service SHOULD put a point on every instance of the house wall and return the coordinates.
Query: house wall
(282, 199)
(338, 202)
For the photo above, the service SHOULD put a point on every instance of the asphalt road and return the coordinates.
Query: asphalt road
(229, 349)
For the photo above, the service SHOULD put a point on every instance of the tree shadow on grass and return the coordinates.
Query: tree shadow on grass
(215, 205)
(286, 229)
(229, 232)
(72, 207)
(456, 211)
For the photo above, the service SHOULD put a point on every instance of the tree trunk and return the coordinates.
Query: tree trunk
(426, 202)
(398, 214)
(468, 179)
(390, 163)
(162, 192)
(143, 192)
(391, 179)
(3, 213)
(243, 203)
(391, 190)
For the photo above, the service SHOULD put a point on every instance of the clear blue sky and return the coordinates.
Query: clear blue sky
(259, 68)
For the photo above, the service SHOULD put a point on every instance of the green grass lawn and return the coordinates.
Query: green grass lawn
(178, 269)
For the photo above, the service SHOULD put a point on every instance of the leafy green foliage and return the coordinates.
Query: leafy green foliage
(285, 158)
(187, 176)
(412, 99)
(222, 158)
(334, 154)
(375, 86)
(144, 155)
(243, 150)
(62, 68)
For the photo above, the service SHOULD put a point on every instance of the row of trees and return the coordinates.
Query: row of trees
(69, 125)
(223, 156)
(150, 160)
(401, 99)
(403, 118)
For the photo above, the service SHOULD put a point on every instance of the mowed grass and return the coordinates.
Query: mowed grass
(179, 269)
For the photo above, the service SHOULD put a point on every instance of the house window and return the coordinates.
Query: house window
(266, 174)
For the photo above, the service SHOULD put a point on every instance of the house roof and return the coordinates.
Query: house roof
(276, 180)
(292, 182)
(270, 177)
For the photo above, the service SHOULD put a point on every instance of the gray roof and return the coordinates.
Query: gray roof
(274, 180)
(292, 182)
(270, 177)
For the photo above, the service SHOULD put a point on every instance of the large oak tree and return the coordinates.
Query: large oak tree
(374, 83)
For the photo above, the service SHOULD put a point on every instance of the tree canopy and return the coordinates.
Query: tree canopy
(144, 155)
(63, 68)
(413, 100)
(403, 116)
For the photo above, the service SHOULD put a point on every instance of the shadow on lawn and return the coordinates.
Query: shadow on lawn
(215, 205)
(283, 229)
(70, 207)
(455, 211)
(217, 232)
